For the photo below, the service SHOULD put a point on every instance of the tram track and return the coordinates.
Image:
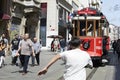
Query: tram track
(91, 74)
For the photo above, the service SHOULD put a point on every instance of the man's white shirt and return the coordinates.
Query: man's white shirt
(76, 60)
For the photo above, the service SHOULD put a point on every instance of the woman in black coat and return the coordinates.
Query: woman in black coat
(118, 48)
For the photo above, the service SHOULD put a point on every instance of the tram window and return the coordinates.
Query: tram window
(87, 28)
(90, 28)
(97, 28)
(74, 31)
(82, 28)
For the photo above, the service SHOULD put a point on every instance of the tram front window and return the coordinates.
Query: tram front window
(90, 30)
(86, 29)
(82, 28)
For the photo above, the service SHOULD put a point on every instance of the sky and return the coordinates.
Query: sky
(111, 9)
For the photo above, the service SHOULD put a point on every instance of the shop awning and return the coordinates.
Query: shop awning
(6, 17)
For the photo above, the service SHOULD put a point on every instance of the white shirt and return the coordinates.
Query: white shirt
(76, 60)
(37, 47)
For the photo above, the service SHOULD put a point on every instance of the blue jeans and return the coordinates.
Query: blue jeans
(62, 49)
(25, 59)
(35, 57)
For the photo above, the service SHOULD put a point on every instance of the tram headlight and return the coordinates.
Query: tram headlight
(86, 45)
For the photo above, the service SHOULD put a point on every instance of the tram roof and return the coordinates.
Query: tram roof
(88, 18)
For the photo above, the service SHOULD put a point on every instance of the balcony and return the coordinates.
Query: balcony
(31, 3)
(29, 6)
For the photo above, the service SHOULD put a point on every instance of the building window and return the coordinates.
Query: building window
(43, 23)
(69, 1)
(63, 14)
(75, 6)
(63, 20)
(44, 10)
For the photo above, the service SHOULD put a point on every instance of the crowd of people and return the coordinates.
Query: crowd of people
(21, 47)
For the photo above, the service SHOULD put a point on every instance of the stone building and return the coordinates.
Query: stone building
(5, 7)
(25, 17)
(54, 18)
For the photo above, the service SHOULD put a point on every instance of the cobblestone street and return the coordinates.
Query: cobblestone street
(9, 72)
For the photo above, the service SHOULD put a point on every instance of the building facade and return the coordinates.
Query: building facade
(25, 18)
(5, 13)
(114, 32)
(90, 3)
(54, 16)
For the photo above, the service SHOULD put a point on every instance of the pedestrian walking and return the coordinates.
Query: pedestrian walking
(118, 48)
(76, 60)
(3, 37)
(26, 47)
(14, 48)
(104, 44)
(37, 49)
(114, 46)
(2, 53)
(21, 37)
(62, 44)
(56, 45)
(52, 45)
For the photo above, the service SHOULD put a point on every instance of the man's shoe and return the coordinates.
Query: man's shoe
(32, 65)
(21, 71)
(12, 64)
(24, 73)
(20, 66)
(36, 64)
(16, 64)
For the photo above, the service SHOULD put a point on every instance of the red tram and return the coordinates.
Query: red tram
(90, 25)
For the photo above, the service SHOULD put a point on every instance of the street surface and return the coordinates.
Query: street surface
(9, 72)
(110, 71)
